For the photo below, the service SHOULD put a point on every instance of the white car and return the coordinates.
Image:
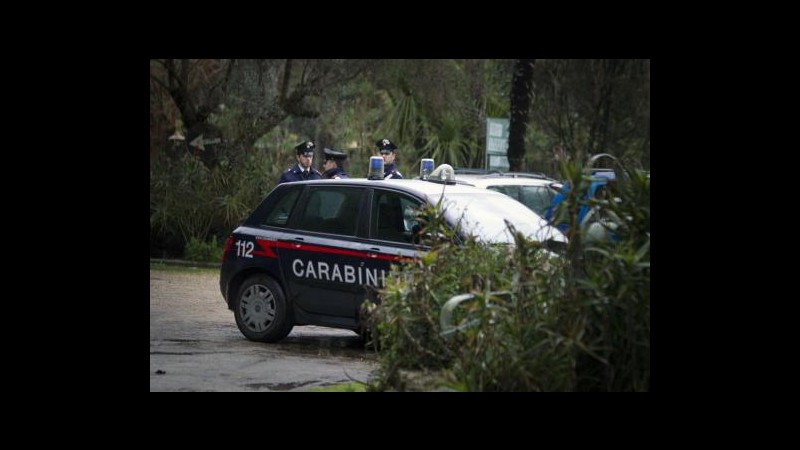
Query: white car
(533, 191)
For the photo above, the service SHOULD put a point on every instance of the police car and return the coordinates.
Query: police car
(307, 254)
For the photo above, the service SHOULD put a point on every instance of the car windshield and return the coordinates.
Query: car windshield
(485, 216)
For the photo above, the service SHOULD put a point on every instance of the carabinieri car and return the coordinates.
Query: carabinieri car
(306, 254)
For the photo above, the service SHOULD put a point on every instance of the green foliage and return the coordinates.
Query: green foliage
(408, 316)
(438, 108)
(537, 322)
(341, 387)
(449, 141)
(191, 201)
(172, 266)
(518, 344)
(238, 126)
(179, 193)
(542, 158)
(197, 250)
(352, 119)
(617, 290)
(427, 106)
(594, 106)
(404, 122)
(496, 85)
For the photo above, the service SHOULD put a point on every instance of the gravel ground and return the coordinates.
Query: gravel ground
(196, 346)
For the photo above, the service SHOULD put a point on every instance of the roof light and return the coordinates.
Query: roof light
(375, 168)
(443, 174)
(425, 168)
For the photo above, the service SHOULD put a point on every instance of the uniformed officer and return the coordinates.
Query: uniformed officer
(387, 151)
(334, 164)
(302, 170)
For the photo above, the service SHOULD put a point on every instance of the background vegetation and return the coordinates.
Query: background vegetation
(255, 111)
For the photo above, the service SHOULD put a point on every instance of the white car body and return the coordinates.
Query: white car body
(535, 193)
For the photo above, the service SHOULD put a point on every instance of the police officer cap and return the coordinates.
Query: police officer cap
(306, 148)
(334, 154)
(385, 146)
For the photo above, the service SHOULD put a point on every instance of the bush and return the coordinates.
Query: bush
(478, 358)
(581, 323)
(197, 250)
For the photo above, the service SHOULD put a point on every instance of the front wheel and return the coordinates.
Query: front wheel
(262, 311)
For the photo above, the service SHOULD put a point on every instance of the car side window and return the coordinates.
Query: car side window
(330, 209)
(511, 191)
(393, 217)
(279, 215)
(537, 198)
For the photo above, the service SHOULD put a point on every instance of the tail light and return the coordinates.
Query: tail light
(228, 245)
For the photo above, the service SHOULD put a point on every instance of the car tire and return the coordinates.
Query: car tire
(262, 311)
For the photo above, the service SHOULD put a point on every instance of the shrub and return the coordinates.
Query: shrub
(197, 250)
(580, 323)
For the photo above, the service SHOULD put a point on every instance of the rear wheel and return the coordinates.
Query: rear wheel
(262, 311)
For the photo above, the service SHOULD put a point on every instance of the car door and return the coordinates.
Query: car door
(392, 229)
(321, 258)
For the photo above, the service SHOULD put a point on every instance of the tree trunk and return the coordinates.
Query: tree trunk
(521, 95)
(605, 77)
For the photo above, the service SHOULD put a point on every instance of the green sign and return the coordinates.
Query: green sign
(497, 143)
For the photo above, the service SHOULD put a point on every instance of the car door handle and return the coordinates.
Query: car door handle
(294, 242)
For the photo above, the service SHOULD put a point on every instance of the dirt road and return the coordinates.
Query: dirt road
(195, 345)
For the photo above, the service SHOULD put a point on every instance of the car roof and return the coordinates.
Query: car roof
(474, 171)
(414, 186)
(503, 175)
(484, 181)
(498, 173)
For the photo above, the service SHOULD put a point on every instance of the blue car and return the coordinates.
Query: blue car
(597, 190)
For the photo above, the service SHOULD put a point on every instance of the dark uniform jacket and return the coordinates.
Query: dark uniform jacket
(295, 173)
(335, 173)
(390, 172)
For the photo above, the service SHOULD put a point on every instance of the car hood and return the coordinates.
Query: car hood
(488, 221)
